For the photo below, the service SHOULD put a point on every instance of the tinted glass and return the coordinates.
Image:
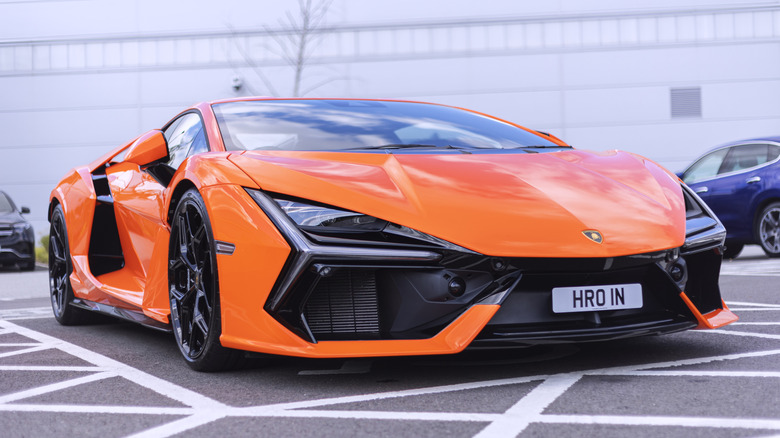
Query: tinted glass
(6, 206)
(344, 124)
(773, 152)
(705, 167)
(185, 137)
(745, 157)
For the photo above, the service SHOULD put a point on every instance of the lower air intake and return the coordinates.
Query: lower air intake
(344, 306)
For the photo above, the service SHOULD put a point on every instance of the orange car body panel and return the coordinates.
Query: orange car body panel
(532, 209)
(452, 339)
(712, 320)
(529, 209)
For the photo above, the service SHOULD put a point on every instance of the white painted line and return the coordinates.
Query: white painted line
(749, 304)
(199, 410)
(640, 420)
(750, 334)
(96, 409)
(26, 313)
(530, 407)
(384, 415)
(50, 368)
(163, 387)
(397, 394)
(24, 351)
(54, 387)
(753, 309)
(26, 317)
(179, 426)
(755, 323)
(698, 373)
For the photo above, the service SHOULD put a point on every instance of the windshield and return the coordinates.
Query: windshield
(358, 124)
(6, 206)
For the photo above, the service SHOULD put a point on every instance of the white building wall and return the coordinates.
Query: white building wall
(80, 77)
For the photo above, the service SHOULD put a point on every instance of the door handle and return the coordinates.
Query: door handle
(753, 179)
(702, 190)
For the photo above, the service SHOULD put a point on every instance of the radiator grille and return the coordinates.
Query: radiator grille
(344, 304)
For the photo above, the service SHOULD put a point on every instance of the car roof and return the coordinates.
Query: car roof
(775, 139)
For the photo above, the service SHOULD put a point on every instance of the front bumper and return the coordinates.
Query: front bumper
(16, 247)
(353, 301)
(313, 299)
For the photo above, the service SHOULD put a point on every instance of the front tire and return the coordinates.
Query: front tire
(194, 288)
(60, 268)
(768, 229)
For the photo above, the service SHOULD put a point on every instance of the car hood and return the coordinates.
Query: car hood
(11, 217)
(499, 204)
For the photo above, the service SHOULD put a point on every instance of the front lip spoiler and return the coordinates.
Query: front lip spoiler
(526, 339)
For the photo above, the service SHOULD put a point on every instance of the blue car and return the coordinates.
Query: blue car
(740, 182)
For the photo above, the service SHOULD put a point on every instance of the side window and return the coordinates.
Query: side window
(745, 157)
(773, 152)
(706, 167)
(185, 137)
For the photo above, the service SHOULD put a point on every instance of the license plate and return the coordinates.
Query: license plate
(595, 298)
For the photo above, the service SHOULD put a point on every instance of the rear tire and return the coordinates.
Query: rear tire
(60, 268)
(194, 288)
(768, 229)
(733, 250)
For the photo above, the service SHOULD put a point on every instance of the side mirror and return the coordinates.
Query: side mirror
(147, 149)
(24, 210)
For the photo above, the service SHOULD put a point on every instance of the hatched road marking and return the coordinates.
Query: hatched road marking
(195, 410)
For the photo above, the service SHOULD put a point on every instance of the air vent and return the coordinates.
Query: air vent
(686, 102)
(344, 306)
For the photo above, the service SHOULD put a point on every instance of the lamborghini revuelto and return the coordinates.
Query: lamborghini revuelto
(354, 228)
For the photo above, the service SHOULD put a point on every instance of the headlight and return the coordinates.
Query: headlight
(22, 227)
(314, 216)
(347, 226)
(703, 230)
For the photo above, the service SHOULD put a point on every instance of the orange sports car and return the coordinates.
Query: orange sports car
(352, 228)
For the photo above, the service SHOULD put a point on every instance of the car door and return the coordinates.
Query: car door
(139, 194)
(739, 180)
(702, 172)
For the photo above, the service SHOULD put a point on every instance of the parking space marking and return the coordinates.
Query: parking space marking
(25, 313)
(198, 410)
(55, 387)
(763, 267)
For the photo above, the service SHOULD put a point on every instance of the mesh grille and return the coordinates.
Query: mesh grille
(345, 303)
(686, 102)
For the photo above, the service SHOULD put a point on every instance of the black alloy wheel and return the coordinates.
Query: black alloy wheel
(193, 288)
(60, 268)
(768, 229)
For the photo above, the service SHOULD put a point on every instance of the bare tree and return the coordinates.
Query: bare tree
(296, 39)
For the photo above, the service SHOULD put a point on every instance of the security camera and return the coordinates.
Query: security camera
(237, 82)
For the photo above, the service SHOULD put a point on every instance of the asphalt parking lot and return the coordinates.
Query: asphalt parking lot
(118, 379)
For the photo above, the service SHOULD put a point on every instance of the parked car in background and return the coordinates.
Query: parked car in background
(17, 240)
(740, 182)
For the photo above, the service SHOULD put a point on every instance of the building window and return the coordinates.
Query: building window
(685, 102)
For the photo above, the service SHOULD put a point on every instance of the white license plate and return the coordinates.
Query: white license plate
(595, 298)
